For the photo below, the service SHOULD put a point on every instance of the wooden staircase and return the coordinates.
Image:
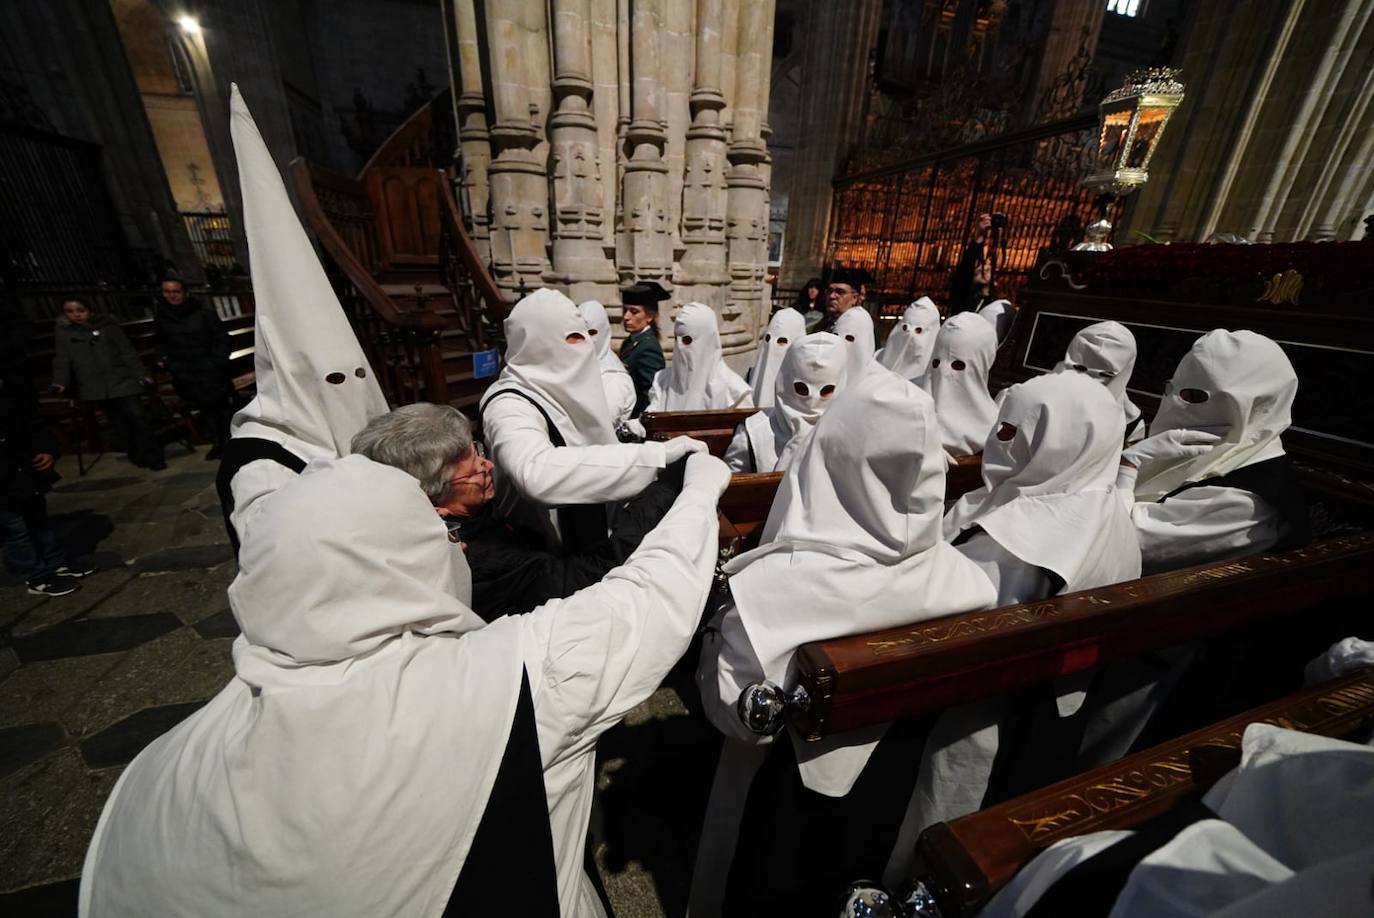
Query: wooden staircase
(403, 266)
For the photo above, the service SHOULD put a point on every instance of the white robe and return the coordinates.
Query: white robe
(958, 381)
(1106, 351)
(855, 328)
(785, 329)
(620, 389)
(911, 343)
(697, 378)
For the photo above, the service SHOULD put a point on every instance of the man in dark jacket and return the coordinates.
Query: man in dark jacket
(94, 362)
(512, 571)
(194, 346)
(27, 457)
(641, 352)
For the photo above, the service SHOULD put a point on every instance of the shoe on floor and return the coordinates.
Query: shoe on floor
(75, 570)
(53, 587)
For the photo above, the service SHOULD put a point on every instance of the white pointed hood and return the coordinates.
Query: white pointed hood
(855, 327)
(812, 374)
(1049, 483)
(852, 544)
(615, 380)
(1246, 385)
(327, 777)
(315, 388)
(912, 342)
(958, 381)
(1105, 351)
(564, 378)
(998, 314)
(785, 329)
(697, 379)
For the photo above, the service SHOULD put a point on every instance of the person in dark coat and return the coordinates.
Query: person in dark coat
(641, 352)
(810, 302)
(28, 455)
(512, 570)
(194, 346)
(970, 286)
(95, 361)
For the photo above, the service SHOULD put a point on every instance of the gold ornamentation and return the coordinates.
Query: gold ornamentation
(1285, 287)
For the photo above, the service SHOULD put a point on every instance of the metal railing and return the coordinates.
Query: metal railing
(212, 238)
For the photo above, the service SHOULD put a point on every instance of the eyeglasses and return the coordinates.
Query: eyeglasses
(840, 291)
(481, 454)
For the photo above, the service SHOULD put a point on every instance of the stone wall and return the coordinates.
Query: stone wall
(608, 141)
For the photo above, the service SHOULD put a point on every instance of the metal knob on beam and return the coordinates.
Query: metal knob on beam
(764, 707)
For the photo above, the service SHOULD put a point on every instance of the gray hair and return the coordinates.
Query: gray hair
(424, 440)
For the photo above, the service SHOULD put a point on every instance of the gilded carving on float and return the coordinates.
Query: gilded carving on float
(1285, 287)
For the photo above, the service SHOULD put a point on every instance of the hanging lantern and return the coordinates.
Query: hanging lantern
(1132, 121)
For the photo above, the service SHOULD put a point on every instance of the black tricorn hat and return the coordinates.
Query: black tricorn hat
(644, 293)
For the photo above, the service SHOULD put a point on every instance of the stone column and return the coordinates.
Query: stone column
(578, 259)
(645, 245)
(703, 265)
(834, 68)
(518, 182)
(474, 141)
(747, 192)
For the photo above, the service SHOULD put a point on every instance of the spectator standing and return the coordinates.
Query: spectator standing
(641, 351)
(94, 358)
(194, 347)
(27, 459)
(970, 287)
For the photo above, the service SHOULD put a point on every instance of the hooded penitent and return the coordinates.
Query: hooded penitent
(958, 381)
(1237, 385)
(697, 378)
(855, 328)
(1106, 352)
(998, 314)
(784, 330)
(911, 343)
(619, 388)
(1049, 483)
(563, 377)
(852, 544)
(812, 374)
(315, 389)
(327, 777)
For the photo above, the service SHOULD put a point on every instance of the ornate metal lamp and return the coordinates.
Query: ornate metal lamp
(1132, 121)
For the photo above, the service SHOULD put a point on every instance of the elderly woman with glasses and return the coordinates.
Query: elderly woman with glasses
(512, 571)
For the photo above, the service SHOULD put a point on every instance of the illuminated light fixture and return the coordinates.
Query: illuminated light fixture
(189, 25)
(1131, 123)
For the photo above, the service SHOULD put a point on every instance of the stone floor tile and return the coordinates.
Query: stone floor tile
(53, 610)
(47, 813)
(186, 557)
(118, 743)
(96, 485)
(219, 625)
(19, 746)
(47, 900)
(191, 595)
(93, 636)
(179, 667)
(9, 662)
(45, 691)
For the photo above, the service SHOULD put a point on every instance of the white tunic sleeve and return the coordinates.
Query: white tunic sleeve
(250, 485)
(595, 655)
(1201, 525)
(518, 438)
(620, 396)
(1015, 580)
(737, 453)
(658, 391)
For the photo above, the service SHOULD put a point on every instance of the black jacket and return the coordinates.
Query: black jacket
(194, 345)
(512, 572)
(96, 360)
(643, 358)
(22, 437)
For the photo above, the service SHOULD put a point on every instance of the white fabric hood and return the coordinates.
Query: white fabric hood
(329, 776)
(564, 378)
(1106, 352)
(855, 326)
(852, 544)
(697, 378)
(315, 389)
(1248, 386)
(811, 376)
(615, 379)
(785, 329)
(998, 314)
(958, 381)
(911, 343)
(1049, 493)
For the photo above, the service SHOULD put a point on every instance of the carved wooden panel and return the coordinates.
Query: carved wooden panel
(407, 204)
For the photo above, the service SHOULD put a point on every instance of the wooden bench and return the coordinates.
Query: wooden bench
(714, 428)
(901, 672)
(965, 862)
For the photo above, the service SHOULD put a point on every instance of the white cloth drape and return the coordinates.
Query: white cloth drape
(697, 379)
(615, 380)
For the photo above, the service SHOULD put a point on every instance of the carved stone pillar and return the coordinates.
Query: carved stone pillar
(747, 189)
(578, 258)
(519, 184)
(473, 138)
(703, 265)
(645, 244)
